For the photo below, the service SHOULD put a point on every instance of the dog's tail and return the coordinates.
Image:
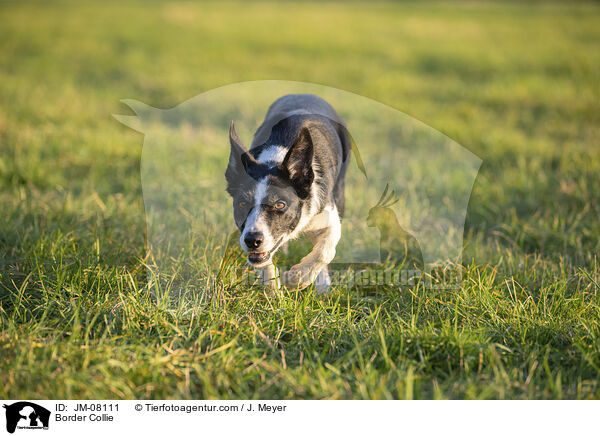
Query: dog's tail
(349, 147)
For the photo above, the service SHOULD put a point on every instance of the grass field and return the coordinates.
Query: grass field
(518, 85)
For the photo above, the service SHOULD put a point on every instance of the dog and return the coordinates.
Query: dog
(291, 182)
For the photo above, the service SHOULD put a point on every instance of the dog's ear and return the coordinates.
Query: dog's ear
(297, 163)
(239, 160)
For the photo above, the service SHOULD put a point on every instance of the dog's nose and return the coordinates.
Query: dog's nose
(253, 239)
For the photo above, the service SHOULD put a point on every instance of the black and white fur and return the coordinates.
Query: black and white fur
(291, 182)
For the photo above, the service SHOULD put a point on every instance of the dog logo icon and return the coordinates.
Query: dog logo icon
(26, 415)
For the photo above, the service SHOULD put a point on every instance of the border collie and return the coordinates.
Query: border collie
(291, 182)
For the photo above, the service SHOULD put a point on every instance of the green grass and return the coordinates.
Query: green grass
(516, 84)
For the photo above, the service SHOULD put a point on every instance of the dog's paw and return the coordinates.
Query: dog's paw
(299, 277)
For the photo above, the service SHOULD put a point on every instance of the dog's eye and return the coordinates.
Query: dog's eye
(280, 205)
(243, 204)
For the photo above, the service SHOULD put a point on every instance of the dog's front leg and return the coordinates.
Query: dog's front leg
(270, 277)
(304, 273)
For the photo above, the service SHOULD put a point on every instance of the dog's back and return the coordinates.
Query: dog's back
(293, 104)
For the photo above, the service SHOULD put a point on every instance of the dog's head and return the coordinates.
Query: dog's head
(269, 190)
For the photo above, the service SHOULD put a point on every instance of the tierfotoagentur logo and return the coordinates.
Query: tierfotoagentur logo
(25, 415)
